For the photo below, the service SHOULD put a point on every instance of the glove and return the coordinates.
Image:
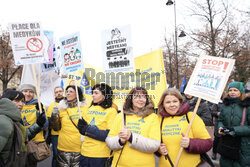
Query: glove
(41, 119)
(82, 126)
(37, 107)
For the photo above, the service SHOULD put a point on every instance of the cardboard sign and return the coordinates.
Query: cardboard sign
(51, 66)
(209, 78)
(27, 41)
(117, 50)
(71, 53)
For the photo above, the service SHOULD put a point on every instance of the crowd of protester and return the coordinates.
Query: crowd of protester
(99, 135)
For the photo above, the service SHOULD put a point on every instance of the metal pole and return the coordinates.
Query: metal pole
(176, 56)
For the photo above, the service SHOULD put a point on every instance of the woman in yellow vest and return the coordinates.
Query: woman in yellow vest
(69, 140)
(95, 126)
(135, 143)
(30, 115)
(174, 118)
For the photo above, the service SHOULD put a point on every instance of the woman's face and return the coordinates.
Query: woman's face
(139, 101)
(29, 94)
(71, 94)
(234, 92)
(19, 103)
(97, 96)
(171, 104)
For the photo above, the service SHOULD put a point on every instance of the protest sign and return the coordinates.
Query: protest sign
(71, 52)
(55, 64)
(209, 78)
(117, 48)
(46, 93)
(49, 36)
(147, 74)
(27, 41)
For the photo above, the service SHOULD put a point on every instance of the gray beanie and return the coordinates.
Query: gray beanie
(27, 86)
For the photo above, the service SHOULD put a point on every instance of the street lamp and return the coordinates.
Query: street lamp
(170, 2)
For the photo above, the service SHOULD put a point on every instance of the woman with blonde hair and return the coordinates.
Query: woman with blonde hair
(174, 118)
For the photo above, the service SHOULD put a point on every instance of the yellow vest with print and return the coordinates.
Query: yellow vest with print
(69, 138)
(49, 113)
(102, 119)
(29, 117)
(149, 127)
(171, 136)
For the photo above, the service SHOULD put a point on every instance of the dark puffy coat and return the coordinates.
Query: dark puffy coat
(231, 116)
(203, 110)
(9, 113)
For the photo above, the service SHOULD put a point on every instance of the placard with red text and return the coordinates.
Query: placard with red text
(209, 78)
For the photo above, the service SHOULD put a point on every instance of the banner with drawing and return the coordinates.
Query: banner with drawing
(51, 66)
(71, 52)
(209, 78)
(117, 49)
(28, 43)
(149, 75)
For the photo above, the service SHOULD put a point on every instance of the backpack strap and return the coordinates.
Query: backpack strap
(71, 119)
(166, 156)
(124, 116)
(187, 118)
(243, 116)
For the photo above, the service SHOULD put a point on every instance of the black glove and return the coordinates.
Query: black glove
(41, 119)
(37, 107)
(82, 126)
(48, 139)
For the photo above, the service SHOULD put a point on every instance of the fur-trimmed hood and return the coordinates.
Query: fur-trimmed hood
(243, 103)
(64, 104)
(147, 110)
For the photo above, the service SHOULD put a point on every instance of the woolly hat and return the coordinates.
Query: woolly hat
(238, 85)
(27, 86)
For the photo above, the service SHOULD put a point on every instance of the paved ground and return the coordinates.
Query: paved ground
(47, 162)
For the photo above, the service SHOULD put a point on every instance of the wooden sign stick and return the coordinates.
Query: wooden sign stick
(121, 106)
(37, 86)
(187, 132)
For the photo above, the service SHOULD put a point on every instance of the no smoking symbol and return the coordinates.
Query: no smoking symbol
(34, 45)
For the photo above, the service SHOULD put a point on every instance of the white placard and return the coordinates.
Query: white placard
(117, 49)
(209, 78)
(27, 41)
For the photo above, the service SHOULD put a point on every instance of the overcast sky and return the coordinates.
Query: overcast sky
(149, 20)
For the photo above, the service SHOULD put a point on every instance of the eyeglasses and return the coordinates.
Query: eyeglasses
(139, 96)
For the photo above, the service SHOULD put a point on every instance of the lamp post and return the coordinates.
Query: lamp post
(170, 2)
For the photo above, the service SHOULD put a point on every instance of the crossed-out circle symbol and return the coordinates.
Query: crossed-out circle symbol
(34, 44)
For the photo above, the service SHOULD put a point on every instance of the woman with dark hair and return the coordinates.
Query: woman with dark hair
(233, 129)
(95, 125)
(175, 116)
(27, 134)
(65, 120)
(134, 143)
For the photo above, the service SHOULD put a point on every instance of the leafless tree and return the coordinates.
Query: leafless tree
(8, 69)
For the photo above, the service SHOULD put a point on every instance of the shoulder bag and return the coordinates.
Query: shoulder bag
(229, 146)
(38, 150)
